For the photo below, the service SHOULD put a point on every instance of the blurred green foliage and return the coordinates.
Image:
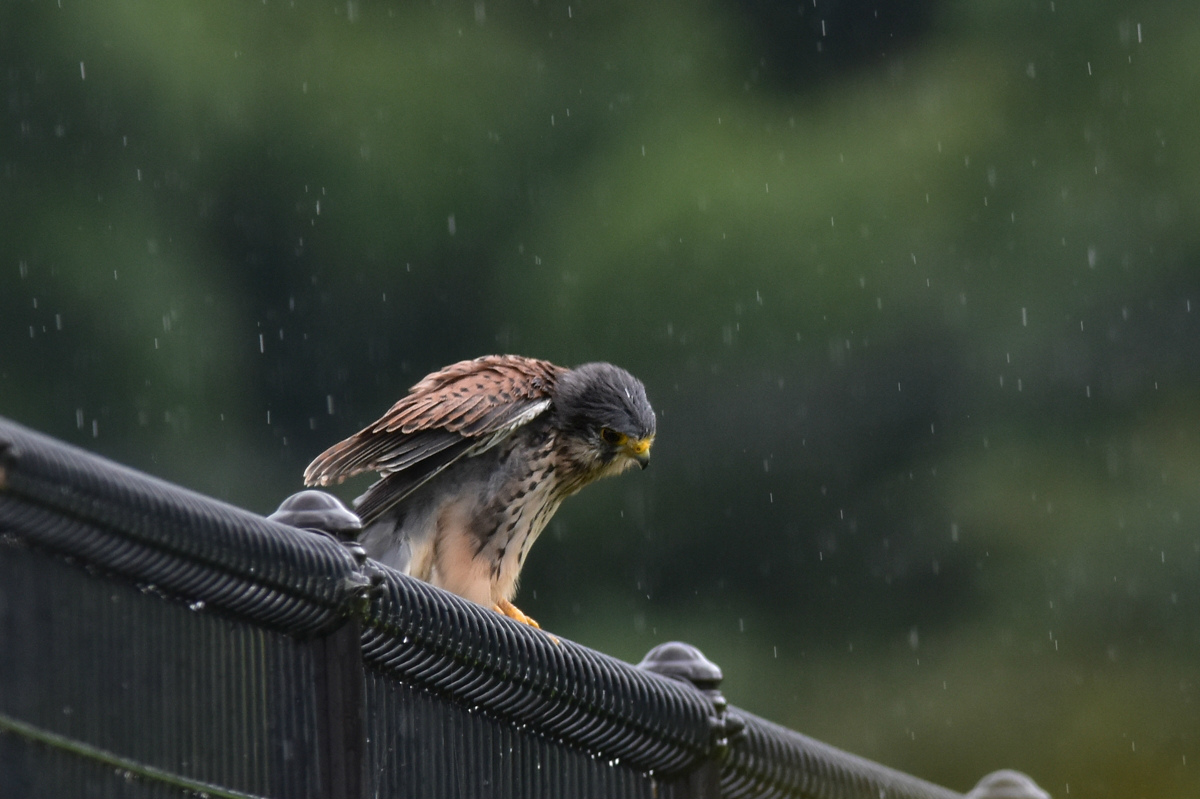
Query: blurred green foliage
(916, 296)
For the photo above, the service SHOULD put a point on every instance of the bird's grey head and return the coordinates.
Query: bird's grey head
(604, 411)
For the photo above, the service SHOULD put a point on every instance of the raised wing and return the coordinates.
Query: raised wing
(460, 410)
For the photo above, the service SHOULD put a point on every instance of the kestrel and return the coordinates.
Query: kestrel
(477, 457)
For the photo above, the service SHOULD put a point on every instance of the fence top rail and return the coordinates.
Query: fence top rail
(451, 646)
(195, 549)
(170, 539)
(773, 761)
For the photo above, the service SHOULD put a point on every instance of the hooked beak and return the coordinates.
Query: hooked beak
(640, 450)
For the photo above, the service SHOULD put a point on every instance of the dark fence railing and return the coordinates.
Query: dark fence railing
(158, 643)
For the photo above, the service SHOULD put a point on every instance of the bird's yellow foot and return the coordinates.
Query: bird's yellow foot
(513, 612)
(506, 608)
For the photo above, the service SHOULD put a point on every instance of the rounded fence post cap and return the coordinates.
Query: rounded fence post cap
(317, 510)
(1007, 784)
(681, 661)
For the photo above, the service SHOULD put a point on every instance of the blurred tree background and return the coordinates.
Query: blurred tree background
(913, 287)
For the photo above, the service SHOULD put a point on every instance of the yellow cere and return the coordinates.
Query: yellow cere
(641, 446)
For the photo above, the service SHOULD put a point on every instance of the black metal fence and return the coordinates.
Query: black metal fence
(158, 643)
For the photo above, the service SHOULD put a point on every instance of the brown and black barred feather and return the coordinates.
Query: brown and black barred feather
(462, 409)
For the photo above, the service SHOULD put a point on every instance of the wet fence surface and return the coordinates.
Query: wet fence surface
(158, 643)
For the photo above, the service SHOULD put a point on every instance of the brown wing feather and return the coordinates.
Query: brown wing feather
(389, 490)
(469, 400)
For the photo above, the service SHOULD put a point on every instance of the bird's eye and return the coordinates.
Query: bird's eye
(612, 436)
